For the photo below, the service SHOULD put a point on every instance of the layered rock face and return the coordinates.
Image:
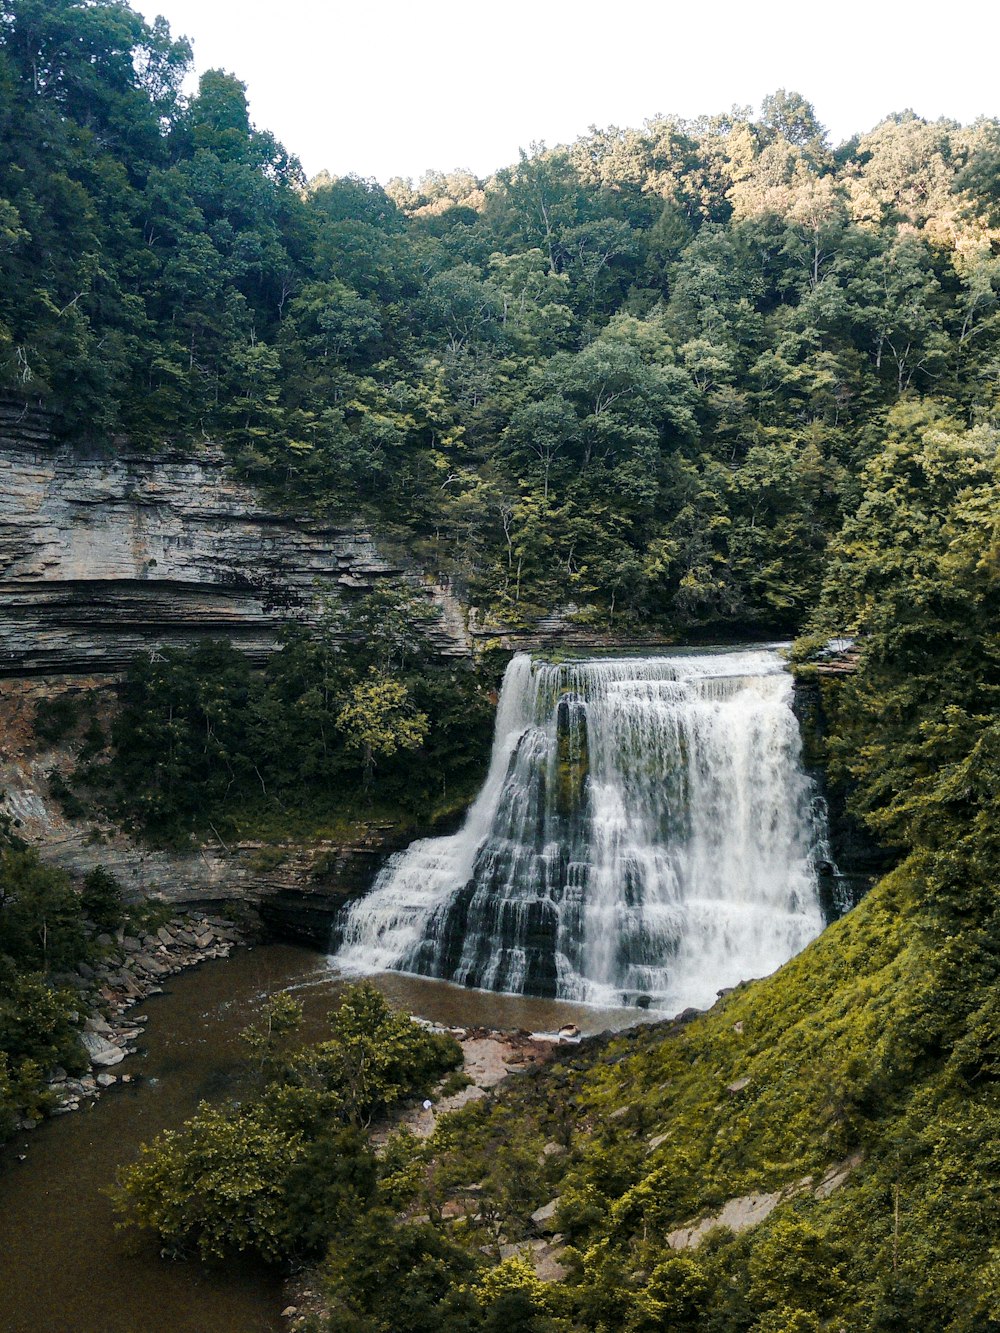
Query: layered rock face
(295, 889)
(103, 556)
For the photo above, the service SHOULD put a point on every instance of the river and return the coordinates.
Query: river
(63, 1266)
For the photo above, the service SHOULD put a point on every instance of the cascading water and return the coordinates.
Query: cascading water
(646, 828)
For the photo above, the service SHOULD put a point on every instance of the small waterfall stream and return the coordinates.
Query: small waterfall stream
(646, 828)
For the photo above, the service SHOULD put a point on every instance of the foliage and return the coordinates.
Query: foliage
(284, 1172)
(101, 899)
(42, 932)
(355, 710)
(704, 374)
(632, 373)
(376, 723)
(41, 925)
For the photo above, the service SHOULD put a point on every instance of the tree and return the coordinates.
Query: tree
(377, 720)
(790, 116)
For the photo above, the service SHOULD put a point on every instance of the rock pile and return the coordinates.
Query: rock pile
(131, 969)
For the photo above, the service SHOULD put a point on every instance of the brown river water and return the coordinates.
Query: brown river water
(63, 1266)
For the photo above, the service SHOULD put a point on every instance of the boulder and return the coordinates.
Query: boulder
(543, 1216)
(101, 1051)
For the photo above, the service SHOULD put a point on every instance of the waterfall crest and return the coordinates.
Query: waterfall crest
(646, 827)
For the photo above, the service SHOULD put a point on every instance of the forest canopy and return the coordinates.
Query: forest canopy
(639, 375)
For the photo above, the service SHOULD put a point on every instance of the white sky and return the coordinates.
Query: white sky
(395, 88)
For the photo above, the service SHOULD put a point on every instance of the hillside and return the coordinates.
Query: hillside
(704, 378)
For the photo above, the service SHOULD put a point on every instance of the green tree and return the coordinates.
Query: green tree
(377, 720)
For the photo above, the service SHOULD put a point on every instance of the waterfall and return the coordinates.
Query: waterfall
(646, 828)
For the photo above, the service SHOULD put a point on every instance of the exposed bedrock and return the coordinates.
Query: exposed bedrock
(102, 556)
(295, 889)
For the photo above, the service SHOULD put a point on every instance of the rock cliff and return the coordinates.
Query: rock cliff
(104, 555)
(295, 889)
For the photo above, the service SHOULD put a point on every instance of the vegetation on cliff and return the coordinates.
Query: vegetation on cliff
(47, 929)
(353, 719)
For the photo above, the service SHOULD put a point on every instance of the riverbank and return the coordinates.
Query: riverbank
(64, 1264)
(133, 969)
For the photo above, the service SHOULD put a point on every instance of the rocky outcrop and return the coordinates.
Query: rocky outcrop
(296, 889)
(741, 1214)
(857, 860)
(103, 555)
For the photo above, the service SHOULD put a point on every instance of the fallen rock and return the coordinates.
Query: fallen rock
(735, 1215)
(546, 1261)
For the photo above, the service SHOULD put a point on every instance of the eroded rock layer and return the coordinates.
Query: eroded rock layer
(104, 555)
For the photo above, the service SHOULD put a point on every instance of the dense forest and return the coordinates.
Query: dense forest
(703, 376)
(640, 375)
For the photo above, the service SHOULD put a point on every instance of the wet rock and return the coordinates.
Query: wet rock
(152, 965)
(101, 1051)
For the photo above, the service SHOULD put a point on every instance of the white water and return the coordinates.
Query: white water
(646, 827)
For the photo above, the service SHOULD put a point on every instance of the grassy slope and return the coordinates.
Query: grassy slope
(849, 1048)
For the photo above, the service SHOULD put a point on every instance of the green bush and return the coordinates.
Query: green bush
(285, 1171)
(101, 899)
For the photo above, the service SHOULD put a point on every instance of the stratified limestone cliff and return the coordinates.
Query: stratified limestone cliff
(295, 889)
(105, 555)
